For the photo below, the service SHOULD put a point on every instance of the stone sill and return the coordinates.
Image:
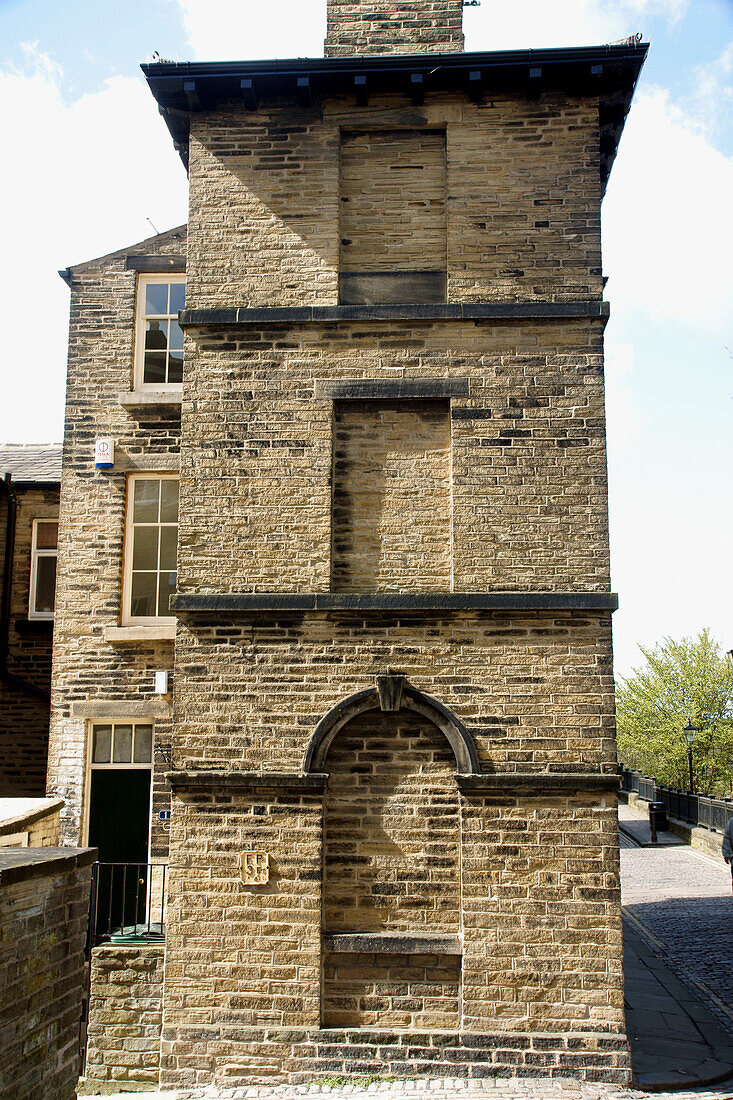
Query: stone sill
(137, 399)
(393, 601)
(392, 943)
(165, 633)
(458, 311)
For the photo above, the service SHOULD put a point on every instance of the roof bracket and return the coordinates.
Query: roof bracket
(417, 89)
(361, 89)
(248, 93)
(192, 96)
(476, 86)
(305, 92)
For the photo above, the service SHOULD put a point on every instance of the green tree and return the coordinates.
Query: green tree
(689, 679)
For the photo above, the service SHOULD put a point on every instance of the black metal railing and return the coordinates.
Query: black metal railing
(128, 902)
(695, 809)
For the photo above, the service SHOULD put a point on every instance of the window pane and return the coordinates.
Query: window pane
(154, 366)
(101, 744)
(169, 500)
(175, 336)
(45, 582)
(156, 335)
(178, 297)
(167, 588)
(175, 367)
(145, 500)
(142, 600)
(156, 298)
(143, 745)
(123, 745)
(168, 542)
(47, 534)
(145, 548)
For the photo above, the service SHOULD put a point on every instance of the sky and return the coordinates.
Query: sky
(90, 168)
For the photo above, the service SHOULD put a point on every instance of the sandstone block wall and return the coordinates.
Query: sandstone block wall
(39, 822)
(408, 26)
(24, 717)
(89, 670)
(123, 1031)
(528, 497)
(522, 197)
(44, 908)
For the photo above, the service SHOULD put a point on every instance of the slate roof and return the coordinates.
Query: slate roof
(35, 463)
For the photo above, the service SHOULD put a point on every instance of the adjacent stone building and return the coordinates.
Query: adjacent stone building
(334, 622)
(30, 475)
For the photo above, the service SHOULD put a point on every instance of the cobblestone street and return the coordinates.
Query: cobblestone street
(526, 1088)
(684, 899)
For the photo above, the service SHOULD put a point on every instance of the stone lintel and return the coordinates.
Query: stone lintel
(148, 462)
(455, 311)
(392, 601)
(19, 864)
(122, 708)
(393, 943)
(247, 781)
(156, 265)
(380, 389)
(536, 783)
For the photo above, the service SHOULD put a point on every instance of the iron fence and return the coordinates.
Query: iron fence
(695, 809)
(128, 902)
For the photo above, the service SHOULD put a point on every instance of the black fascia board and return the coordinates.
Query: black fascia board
(574, 70)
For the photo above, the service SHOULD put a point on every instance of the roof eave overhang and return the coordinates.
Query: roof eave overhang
(182, 89)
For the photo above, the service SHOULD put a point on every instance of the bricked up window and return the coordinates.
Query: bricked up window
(393, 227)
(159, 339)
(391, 496)
(43, 569)
(150, 547)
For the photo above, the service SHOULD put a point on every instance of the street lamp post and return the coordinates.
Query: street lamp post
(689, 732)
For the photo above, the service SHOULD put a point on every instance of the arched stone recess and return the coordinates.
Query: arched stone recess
(384, 697)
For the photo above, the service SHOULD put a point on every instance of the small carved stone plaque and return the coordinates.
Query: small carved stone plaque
(255, 868)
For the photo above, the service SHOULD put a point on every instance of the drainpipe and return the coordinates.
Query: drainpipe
(6, 676)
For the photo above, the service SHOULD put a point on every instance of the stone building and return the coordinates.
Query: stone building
(378, 756)
(30, 475)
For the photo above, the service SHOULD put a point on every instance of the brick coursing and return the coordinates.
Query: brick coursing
(43, 921)
(24, 717)
(366, 27)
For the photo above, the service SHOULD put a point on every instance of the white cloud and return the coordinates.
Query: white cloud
(668, 235)
(231, 30)
(712, 101)
(86, 175)
(539, 24)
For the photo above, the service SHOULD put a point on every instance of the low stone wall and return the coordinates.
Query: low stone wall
(30, 822)
(125, 1009)
(44, 908)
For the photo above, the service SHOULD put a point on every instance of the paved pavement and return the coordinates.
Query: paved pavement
(523, 1088)
(683, 899)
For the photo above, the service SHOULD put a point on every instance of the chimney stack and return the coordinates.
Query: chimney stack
(370, 27)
